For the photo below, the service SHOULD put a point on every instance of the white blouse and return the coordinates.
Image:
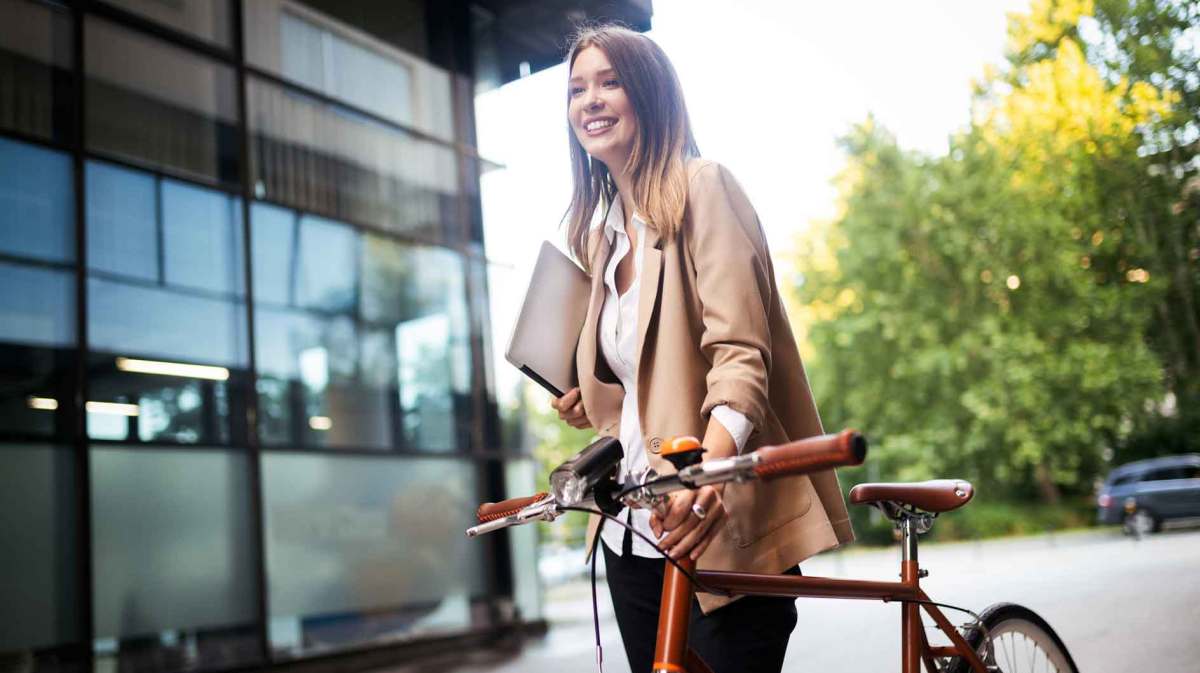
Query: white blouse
(618, 344)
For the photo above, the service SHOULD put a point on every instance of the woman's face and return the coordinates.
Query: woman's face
(600, 114)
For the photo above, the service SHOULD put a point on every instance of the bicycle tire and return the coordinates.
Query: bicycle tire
(1018, 635)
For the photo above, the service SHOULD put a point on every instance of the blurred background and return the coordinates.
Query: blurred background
(259, 260)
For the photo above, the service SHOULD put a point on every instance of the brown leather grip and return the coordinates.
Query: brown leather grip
(490, 511)
(811, 455)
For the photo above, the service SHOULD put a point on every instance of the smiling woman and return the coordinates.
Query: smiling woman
(685, 335)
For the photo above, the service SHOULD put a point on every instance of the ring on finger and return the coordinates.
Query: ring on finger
(699, 511)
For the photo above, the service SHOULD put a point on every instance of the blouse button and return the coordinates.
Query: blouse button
(655, 444)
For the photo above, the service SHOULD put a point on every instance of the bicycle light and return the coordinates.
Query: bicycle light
(571, 481)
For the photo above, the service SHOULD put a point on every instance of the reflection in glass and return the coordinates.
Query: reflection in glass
(202, 239)
(172, 556)
(37, 302)
(122, 221)
(344, 62)
(372, 353)
(328, 257)
(205, 19)
(166, 285)
(273, 241)
(36, 85)
(155, 103)
(37, 211)
(38, 588)
(365, 549)
(323, 159)
(37, 306)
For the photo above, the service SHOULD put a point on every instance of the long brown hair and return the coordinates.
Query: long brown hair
(661, 147)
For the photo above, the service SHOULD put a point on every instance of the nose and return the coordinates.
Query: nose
(592, 100)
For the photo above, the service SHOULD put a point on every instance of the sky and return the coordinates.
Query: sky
(770, 86)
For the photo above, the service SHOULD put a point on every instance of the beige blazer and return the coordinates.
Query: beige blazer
(712, 330)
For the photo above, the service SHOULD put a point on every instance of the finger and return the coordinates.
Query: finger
(569, 398)
(698, 551)
(577, 408)
(656, 524)
(679, 510)
(679, 532)
(688, 542)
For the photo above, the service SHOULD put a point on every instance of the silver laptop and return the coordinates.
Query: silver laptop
(543, 341)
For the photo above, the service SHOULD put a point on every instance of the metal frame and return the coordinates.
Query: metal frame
(482, 451)
(672, 655)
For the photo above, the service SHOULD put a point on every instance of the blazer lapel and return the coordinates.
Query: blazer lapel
(651, 285)
(603, 399)
(589, 345)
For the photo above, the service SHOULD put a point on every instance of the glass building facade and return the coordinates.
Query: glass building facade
(245, 405)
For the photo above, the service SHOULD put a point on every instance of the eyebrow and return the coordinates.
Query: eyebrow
(605, 71)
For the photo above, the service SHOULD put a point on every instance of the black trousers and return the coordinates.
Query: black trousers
(750, 635)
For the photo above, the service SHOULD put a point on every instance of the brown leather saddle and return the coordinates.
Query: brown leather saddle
(934, 496)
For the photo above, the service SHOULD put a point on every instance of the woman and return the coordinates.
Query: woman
(685, 335)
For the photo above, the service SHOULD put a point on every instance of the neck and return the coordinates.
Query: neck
(624, 184)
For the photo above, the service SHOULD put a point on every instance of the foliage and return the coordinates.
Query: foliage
(555, 441)
(1014, 310)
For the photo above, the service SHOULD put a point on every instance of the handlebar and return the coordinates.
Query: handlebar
(498, 510)
(769, 462)
(812, 454)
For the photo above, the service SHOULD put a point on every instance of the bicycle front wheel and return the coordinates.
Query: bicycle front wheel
(1017, 641)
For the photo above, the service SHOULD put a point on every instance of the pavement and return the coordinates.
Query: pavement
(1119, 605)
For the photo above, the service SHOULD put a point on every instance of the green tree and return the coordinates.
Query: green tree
(990, 313)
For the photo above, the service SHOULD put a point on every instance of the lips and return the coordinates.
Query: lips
(599, 125)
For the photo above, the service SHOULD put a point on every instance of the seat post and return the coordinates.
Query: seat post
(908, 539)
(910, 618)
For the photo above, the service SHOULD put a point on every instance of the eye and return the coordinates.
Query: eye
(612, 83)
(574, 91)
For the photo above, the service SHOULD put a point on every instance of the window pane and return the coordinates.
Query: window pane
(36, 85)
(328, 259)
(158, 104)
(36, 205)
(190, 307)
(344, 62)
(38, 588)
(323, 159)
(202, 232)
(37, 306)
(156, 322)
(362, 549)
(205, 19)
(122, 221)
(392, 370)
(171, 549)
(273, 235)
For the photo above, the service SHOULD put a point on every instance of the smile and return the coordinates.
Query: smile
(599, 126)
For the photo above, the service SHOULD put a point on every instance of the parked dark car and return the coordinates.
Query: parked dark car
(1143, 494)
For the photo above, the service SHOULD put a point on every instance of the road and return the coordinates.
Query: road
(1120, 605)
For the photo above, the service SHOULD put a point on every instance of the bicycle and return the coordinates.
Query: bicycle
(585, 483)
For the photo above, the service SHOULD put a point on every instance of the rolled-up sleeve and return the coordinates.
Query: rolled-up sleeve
(737, 425)
(733, 283)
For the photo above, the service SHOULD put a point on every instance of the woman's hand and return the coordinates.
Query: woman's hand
(690, 535)
(570, 409)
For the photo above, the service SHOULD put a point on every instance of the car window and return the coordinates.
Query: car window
(1190, 472)
(1165, 473)
(1124, 479)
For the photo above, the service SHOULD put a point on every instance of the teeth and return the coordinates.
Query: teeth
(599, 124)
